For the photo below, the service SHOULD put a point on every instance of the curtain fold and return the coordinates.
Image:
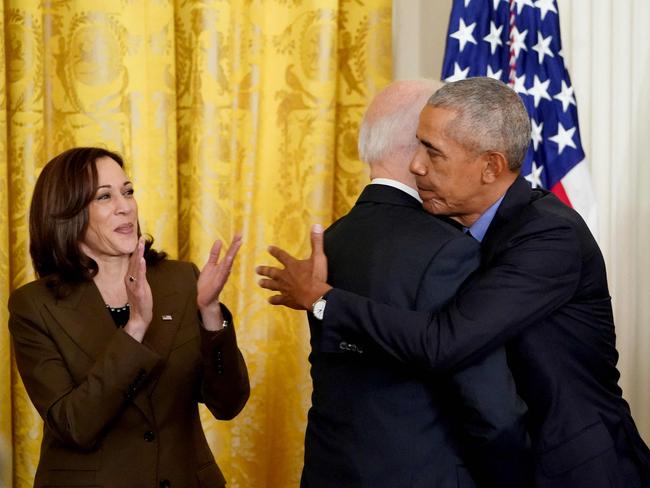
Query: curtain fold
(232, 116)
(6, 447)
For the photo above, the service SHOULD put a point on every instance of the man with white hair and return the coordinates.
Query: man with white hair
(375, 422)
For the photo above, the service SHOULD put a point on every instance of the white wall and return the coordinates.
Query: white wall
(606, 46)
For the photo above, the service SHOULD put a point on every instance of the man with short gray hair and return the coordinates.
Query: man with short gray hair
(541, 289)
(375, 422)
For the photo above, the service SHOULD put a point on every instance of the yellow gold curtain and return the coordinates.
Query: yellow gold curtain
(236, 115)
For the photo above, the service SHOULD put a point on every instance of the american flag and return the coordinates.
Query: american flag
(518, 42)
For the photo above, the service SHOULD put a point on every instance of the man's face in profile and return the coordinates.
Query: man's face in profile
(448, 176)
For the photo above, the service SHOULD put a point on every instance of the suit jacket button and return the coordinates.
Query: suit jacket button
(149, 436)
(165, 484)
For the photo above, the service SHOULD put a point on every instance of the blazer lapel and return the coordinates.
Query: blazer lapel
(84, 317)
(165, 322)
(507, 216)
(168, 308)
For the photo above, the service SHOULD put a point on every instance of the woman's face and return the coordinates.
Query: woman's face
(112, 215)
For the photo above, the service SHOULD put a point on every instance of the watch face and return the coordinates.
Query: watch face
(319, 308)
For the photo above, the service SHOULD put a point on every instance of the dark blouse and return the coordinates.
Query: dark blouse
(120, 314)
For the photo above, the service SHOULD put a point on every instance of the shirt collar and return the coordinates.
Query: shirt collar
(397, 184)
(480, 227)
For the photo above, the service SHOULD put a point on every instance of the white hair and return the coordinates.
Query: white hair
(394, 129)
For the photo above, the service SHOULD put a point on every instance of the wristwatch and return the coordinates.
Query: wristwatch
(318, 308)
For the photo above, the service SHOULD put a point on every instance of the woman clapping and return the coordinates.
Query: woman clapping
(116, 344)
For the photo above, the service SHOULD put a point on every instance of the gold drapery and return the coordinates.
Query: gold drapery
(231, 115)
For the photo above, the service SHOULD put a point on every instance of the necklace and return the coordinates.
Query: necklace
(118, 309)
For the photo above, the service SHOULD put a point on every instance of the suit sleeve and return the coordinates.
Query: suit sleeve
(76, 414)
(489, 413)
(537, 273)
(225, 387)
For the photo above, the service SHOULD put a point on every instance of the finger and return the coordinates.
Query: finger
(139, 274)
(284, 300)
(278, 300)
(213, 257)
(269, 271)
(133, 269)
(281, 255)
(135, 257)
(225, 267)
(232, 250)
(318, 257)
(142, 272)
(269, 284)
(317, 241)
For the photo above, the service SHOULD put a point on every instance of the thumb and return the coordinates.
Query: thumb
(318, 258)
(317, 241)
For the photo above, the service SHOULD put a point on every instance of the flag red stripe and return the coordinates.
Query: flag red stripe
(559, 192)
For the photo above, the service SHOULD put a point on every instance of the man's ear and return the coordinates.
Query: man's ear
(494, 165)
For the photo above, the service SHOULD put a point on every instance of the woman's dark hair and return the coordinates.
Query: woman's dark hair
(58, 218)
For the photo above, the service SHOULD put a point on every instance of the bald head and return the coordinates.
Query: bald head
(387, 135)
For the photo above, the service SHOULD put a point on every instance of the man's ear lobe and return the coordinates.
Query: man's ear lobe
(494, 165)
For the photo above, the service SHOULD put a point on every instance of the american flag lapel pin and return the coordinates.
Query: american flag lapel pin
(166, 317)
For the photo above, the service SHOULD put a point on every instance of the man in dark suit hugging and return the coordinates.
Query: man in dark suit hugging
(375, 421)
(541, 289)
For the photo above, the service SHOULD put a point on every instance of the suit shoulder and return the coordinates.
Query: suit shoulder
(545, 224)
(170, 276)
(28, 294)
(411, 218)
(395, 226)
(551, 211)
(173, 267)
(421, 222)
(26, 305)
(334, 224)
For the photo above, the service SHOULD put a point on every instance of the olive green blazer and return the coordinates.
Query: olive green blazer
(118, 412)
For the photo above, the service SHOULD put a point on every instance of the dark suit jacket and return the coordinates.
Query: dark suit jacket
(542, 287)
(375, 422)
(118, 412)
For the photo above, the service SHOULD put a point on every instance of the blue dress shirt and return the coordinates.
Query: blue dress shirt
(480, 227)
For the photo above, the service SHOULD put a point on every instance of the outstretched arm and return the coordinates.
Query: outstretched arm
(490, 414)
(535, 275)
